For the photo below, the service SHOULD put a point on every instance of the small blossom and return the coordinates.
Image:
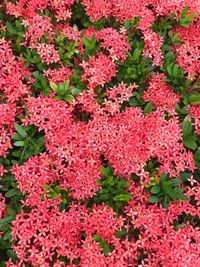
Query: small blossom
(98, 70)
(115, 43)
(48, 53)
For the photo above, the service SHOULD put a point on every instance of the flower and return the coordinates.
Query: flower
(161, 94)
(114, 42)
(48, 53)
(98, 70)
(152, 47)
(98, 9)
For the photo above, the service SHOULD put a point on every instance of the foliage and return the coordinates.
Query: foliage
(165, 190)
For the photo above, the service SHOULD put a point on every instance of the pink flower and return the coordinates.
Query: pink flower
(12, 75)
(8, 113)
(37, 27)
(98, 9)
(61, 8)
(152, 47)
(48, 53)
(195, 113)
(38, 234)
(187, 55)
(34, 174)
(115, 43)
(71, 33)
(58, 75)
(98, 70)
(2, 171)
(127, 9)
(161, 94)
(2, 208)
(103, 222)
(121, 92)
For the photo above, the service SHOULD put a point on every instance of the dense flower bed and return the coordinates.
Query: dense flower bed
(99, 133)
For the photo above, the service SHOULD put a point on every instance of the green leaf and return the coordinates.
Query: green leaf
(87, 42)
(169, 70)
(19, 143)
(150, 165)
(164, 204)
(194, 99)
(12, 192)
(97, 238)
(121, 234)
(154, 199)
(185, 176)
(126, 24)
(7, 220)
(166, 184)
(105, 171)
(184, 11)
(155, 189)
(186, 128)
(175, 70)
(148, 107)
(17, 137)
(47, 187)
(20, 130)
(102, 243)
(11, 212)
(175, 182)
(183, 197)
(40, 141)
(110, 181)
(123, 197)
(69, 98)
(197, 158)
(163, 177)
(7, 235)
(189, 142)
(11, 254)
(57, 189)
(93, 40)
(53, 86)
(136, 54)
(75, 91)
(188, 20)
(16, 154)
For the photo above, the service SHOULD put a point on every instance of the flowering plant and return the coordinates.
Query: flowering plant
(99, 133)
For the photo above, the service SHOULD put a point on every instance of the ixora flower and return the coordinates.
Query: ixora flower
(48, 53)
(98, 70)
(98, 9)
(188, 54)
(58, 75)
(115, 43)
(161, 95)
(152, 48)
(39, 239)
(195, 113)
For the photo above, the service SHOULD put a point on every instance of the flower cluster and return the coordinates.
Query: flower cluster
(114, 42)
(161, 94)
(195, 113)
(98, 70)
(58, 75)
(12, 74)
(6, 126)
(153, 45)
(188, 54)
(48, 53)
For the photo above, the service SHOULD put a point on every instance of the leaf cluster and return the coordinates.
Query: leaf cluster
(165, 191)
